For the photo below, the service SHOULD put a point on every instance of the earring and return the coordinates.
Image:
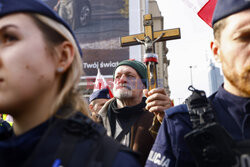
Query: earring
(60, 69)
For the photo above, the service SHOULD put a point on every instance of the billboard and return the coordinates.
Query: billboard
(98, 25)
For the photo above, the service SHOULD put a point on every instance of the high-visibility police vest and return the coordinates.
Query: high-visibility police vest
(5, 118)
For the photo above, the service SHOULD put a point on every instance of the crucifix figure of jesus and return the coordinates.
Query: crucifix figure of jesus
(148, 43)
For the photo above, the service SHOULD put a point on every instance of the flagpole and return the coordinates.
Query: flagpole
(146, 6)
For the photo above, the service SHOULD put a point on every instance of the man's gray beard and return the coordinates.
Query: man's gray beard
(122, 94)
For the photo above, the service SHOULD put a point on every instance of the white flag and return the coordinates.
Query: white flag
(100, 83)
(203, 8)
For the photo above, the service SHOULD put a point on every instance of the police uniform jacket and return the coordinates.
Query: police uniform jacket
(58, 142)
(169, 150)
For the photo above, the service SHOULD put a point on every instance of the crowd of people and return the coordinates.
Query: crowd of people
(40, 69)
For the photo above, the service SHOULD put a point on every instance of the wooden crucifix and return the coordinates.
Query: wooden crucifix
(148, 39)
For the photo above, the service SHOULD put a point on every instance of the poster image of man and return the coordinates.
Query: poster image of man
(77, 13)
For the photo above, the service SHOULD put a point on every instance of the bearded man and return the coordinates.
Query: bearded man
(231, 103)
(129, 115)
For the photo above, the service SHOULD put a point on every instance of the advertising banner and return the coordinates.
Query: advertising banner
(98, 25)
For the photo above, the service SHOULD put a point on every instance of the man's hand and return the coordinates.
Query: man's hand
(157, 101)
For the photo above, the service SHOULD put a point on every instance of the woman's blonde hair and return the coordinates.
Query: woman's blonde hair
(68, 95)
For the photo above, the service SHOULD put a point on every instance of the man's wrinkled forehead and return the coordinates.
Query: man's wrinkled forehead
(125, 70)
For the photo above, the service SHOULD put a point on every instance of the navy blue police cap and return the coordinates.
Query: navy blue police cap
(226, 8)
(33, 6)
(100, 94)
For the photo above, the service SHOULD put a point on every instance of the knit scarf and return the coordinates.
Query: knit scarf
(125, 116)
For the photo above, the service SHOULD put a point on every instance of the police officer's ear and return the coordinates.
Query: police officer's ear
(65, 56)
(215, 47)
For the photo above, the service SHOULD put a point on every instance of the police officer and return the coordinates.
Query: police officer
(40, 69)
(96, 100)
(231, 103)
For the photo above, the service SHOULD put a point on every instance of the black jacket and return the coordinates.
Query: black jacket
(76, 141)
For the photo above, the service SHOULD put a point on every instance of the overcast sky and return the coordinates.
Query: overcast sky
(193, 49)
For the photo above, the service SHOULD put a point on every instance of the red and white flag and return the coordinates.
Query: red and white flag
(204, 9)
(100, 83)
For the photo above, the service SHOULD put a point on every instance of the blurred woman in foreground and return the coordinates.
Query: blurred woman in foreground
(40, 67)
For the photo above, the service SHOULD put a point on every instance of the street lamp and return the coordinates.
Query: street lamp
(191, 74)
